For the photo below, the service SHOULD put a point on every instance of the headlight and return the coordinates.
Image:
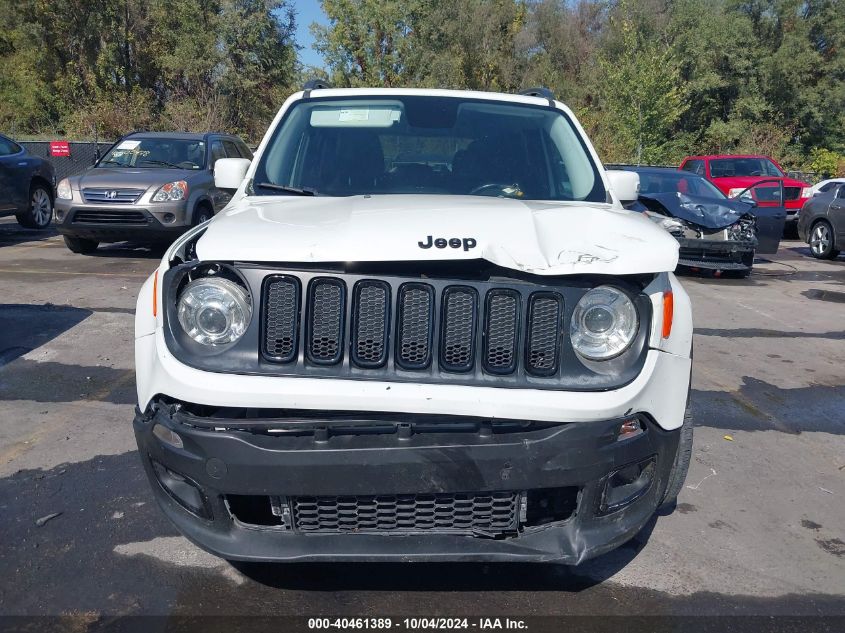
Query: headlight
(171, 192)
(63, 190)
(733, 193)
(807, 192)
(603, 324)
(214, 311)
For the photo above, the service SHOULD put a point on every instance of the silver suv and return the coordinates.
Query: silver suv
(149, 187)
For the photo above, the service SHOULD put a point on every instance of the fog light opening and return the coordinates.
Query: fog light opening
(167, 436)
(627, 484)
(548, 505)
(169, 218)
(630, 428)
(60, 215)
(182, 490)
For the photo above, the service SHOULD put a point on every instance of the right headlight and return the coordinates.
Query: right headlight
(214, 310)
(63, 190)
(603, 324)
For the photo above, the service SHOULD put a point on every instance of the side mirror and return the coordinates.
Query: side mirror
(625, 184)
(229, 173)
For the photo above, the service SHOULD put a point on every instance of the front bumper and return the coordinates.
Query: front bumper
(716, 254)
(222, 459)
(122, 222)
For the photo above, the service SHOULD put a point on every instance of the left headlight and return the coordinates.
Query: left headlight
(214, 311)
(63, 190)
(603, 324)
(806, 192)
(171, 192)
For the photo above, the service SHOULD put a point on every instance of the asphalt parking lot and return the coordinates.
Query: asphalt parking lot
(760, 527)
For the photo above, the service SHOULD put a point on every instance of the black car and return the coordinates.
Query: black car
(714, 232)
(27, 184)
(821, 223)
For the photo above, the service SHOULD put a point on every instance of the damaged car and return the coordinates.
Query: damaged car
(714, 232)
(425, 328)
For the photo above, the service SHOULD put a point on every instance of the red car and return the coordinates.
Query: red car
(735, 174)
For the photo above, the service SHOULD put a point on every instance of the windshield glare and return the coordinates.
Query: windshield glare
(154, 153)
(731, 167)
(428, 145)
(680, 182)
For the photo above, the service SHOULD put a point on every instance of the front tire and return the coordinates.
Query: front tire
(680, 467)
(81, 245)
(202, 214)
(821, 241)
(39, 214)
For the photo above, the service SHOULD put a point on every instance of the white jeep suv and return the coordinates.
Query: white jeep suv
(424, 328)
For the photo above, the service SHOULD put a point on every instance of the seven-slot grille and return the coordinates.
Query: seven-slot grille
(112, 196)
(456, 328)
(489, 512)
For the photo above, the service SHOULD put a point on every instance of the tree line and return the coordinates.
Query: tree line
(651, 80)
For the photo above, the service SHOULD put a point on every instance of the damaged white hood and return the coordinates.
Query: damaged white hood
(545, 238)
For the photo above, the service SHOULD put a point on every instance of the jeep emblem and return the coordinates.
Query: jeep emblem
(453, 242)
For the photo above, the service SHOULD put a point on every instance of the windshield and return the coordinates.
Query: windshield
(671, 182)
(427, 145)
(730, 167)
(155, 153)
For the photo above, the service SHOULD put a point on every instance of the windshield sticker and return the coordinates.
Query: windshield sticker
(359, 114)
(129, 145)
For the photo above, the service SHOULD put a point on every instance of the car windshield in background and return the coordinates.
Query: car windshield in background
(670, 182)
(155, 153)
(427, 145)
(731, 167)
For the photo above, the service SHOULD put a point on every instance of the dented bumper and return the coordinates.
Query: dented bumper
(403, 488)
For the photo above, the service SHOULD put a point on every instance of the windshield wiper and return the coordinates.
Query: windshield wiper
(161, 162)
(291, 190)
(110, 162)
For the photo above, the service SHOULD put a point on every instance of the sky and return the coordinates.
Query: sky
(308, 11)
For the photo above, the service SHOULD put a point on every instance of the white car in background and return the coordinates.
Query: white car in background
(424, 328)
(826, 185)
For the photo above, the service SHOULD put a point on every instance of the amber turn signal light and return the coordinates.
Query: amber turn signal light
(668, 310)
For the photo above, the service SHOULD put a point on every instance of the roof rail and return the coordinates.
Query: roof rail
(543, 93)
(315, 84)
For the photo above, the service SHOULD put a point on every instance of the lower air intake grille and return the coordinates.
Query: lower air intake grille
(325, 320)
(489, 512)
(107, 217)
(281, 318)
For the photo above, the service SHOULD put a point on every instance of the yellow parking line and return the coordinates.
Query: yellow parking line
(25, 271)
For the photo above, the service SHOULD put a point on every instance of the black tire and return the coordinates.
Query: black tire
(821, 241)
(203, 212)
(681, 463)
(39, 212)
(81, 245)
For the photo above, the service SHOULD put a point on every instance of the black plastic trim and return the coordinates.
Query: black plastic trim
(400, 313)
(353, 337)
(486, 328)
(532, 300)
(309, 327)
(473, 335)
(263, 341)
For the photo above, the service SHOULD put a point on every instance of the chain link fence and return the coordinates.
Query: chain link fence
(82, 156)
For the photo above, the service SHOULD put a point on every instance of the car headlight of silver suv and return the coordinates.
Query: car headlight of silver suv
(214, 310)
(63, 190)
(171, 192)
(604, 323)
